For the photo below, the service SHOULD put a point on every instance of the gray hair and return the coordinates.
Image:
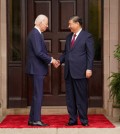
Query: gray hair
(40, 18)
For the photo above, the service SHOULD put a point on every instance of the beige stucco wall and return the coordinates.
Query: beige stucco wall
(110, 39)
(111, 17)
(3, 56)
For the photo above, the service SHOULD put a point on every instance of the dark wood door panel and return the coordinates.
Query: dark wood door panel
(95, 86)
(58, 12)
(15, 86)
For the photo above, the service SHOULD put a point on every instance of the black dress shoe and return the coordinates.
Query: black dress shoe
(30, 123)
(85, 124)
(39, 123)
(71, 124)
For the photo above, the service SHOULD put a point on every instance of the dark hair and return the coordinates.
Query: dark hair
(76, 19)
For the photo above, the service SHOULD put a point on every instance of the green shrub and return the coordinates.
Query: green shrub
(115, 79)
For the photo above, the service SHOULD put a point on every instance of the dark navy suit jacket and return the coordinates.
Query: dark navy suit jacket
(79, 58)
(37, 56)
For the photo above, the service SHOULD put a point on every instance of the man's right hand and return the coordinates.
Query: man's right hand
(56, 63)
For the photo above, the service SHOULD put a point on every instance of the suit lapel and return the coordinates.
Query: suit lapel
(69, 41)
(77, 40)
(42, 37)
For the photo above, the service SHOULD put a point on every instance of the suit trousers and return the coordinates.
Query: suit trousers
(35, 111)
(77, 98)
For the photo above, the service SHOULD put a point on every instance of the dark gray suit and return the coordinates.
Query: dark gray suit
(77, 60)
(37, 66)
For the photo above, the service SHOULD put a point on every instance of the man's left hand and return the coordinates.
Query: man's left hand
(88, 73)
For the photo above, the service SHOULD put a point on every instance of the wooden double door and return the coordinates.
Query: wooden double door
(58, 12)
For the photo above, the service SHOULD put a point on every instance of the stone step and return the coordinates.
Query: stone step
(115, 130)
(61, 131)
(48, 110)
(59, 110)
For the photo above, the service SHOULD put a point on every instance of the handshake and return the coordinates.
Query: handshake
(56, 63)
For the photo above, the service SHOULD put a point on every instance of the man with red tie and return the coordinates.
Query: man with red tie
(78, 57)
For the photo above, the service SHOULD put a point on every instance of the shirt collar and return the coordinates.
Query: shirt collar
(37, 29)
(78, 32)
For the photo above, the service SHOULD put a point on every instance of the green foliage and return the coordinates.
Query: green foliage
(115, 87)
(117, 52)
(115, 79)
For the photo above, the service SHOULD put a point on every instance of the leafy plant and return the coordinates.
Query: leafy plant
(115, 87)
(115, 79)
(117, 52)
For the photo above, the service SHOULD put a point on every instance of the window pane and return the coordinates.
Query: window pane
(15, 30)
(94, 25)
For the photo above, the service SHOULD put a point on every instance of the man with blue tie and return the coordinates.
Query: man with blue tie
(37, 66)
(78, 57)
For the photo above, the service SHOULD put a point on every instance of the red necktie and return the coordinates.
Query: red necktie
(73, 40)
